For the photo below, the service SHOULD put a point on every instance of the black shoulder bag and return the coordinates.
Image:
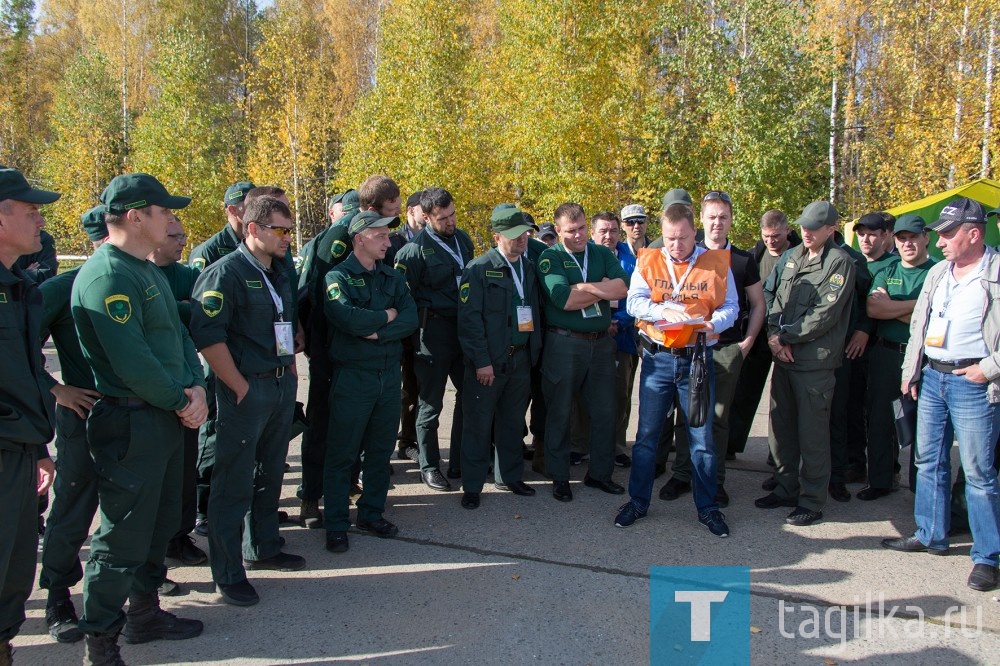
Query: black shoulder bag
(698, 389)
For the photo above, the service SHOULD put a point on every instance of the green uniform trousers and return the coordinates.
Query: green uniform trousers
(625, 367)
(572, 365)
(495, 414)
(74, 506)
(727, 362)
(251, 445)
(749, 389)
(438, 356)
(138, 454)
(18, 532)
(364, 412)
(884, 378)
(800, 434)
(206, 445)
(314, 439)
(408, 398)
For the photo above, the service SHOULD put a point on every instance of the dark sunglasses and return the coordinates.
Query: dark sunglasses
(279, 231)
(717, 195)
(633, 221)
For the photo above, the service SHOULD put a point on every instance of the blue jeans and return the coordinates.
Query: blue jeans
(662, 375)
(951, 406)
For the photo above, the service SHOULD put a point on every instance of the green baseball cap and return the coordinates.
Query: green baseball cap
(817, 215)
(350, 201)
(13, 185)
(909, 222)
(368, 219)
(508, 221)
(993, 213)
(236, 193)
(138, 190)
(93, 223)
(676, 196)
(335, 199)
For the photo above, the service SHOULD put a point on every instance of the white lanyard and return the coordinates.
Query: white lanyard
(946, 302)
(457, 256)
(278, 302)
(586, 258)
(518, 279)
(673, 274)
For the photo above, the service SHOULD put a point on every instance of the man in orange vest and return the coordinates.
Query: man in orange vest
(675, 293)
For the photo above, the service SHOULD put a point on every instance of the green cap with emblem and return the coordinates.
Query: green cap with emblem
(817, 215)
(237, 192)
(138, 190)
(368, 219)
(676, 196)
(350, 201)
(13, 185)
(93, 223)
(909, 222)
(508, 221)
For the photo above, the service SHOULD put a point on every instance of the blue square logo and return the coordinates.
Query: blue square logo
(699, 615)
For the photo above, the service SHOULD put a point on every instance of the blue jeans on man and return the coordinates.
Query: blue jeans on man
(661, 376)
(951, 406)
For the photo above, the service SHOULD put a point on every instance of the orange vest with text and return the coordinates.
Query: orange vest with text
(701, 293)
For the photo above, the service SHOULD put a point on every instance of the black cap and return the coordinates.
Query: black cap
(873, 221)
(13, 185)
(414, 199)
(959, 212)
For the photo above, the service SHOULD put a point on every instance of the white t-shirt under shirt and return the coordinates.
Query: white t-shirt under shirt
(961, 303)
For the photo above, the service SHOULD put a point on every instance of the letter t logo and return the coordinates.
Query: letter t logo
(701, 611)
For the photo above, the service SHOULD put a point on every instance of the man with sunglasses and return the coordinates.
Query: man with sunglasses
(634, 224)
(734, 343)
(241, 321)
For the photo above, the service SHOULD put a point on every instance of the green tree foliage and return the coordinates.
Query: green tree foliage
(18, 101)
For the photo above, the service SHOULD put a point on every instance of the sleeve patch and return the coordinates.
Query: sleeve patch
(199, 263)
(211, 302)
(356, 282)
(428, 251)
(463, 292)
(338, 249)
(152, 291)
(836, 281)
(545, 265)
(119, 308)
(333, 292)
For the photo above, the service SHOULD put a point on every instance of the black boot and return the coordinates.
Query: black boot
(102, 650)
(6, 654)
(146, 621)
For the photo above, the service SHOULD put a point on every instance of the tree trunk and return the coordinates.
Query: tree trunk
(833, 140)
(985, 170)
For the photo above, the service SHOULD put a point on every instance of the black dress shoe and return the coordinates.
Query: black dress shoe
(435, 480)
(983, 577)
(803, 516)
(769, 484)
(454, 473)
(838, 491)
(772, 501)
(517, 487)
(181, 551)
(470, 500)
(911, 544)
(721, 497)
(622, 460)
(561, 491)
(337, 542)
(868, 494)
(610, 487)
(674, 488)
(238, 594)
(380, 528)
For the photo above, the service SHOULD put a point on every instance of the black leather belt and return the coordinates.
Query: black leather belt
(657, 348)
(894, 346)
(596, 335)
(947, 366)
(124, 402)
(513, 349)
(277, 373)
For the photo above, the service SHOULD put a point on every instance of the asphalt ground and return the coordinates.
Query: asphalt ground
(533, 580)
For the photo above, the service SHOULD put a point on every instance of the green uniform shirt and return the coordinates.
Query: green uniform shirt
(431, 271)
(222, 243)
(57, 319)
(232, 304)
(487, 319)
(181, 279)
(887, 259)
(356, 301)
(130, 332)
(903, 283)
(27, 409)
(559, 271)
(535, 249)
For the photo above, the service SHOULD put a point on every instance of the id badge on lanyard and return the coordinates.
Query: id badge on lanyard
(524, 321)
(284, 338)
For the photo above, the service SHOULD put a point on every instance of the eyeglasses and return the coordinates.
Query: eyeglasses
(634, 221)
(717, 195)
(284, 232)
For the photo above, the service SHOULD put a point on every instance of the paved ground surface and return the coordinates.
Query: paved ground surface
(532, 580)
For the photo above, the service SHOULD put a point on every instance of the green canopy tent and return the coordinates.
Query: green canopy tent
(984, 190)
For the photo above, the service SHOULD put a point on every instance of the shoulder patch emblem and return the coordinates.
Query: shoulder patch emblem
(836, 281)
(463, 292)
(119, 308)
(199, 263)
(211, 302)
(152, 291)
(333, 291)
(545, 265)
(428, 251)
(494, 274)
(3, 296)
(255, 284)
(338, 249)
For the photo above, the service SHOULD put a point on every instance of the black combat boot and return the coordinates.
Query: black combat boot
(146, 621)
